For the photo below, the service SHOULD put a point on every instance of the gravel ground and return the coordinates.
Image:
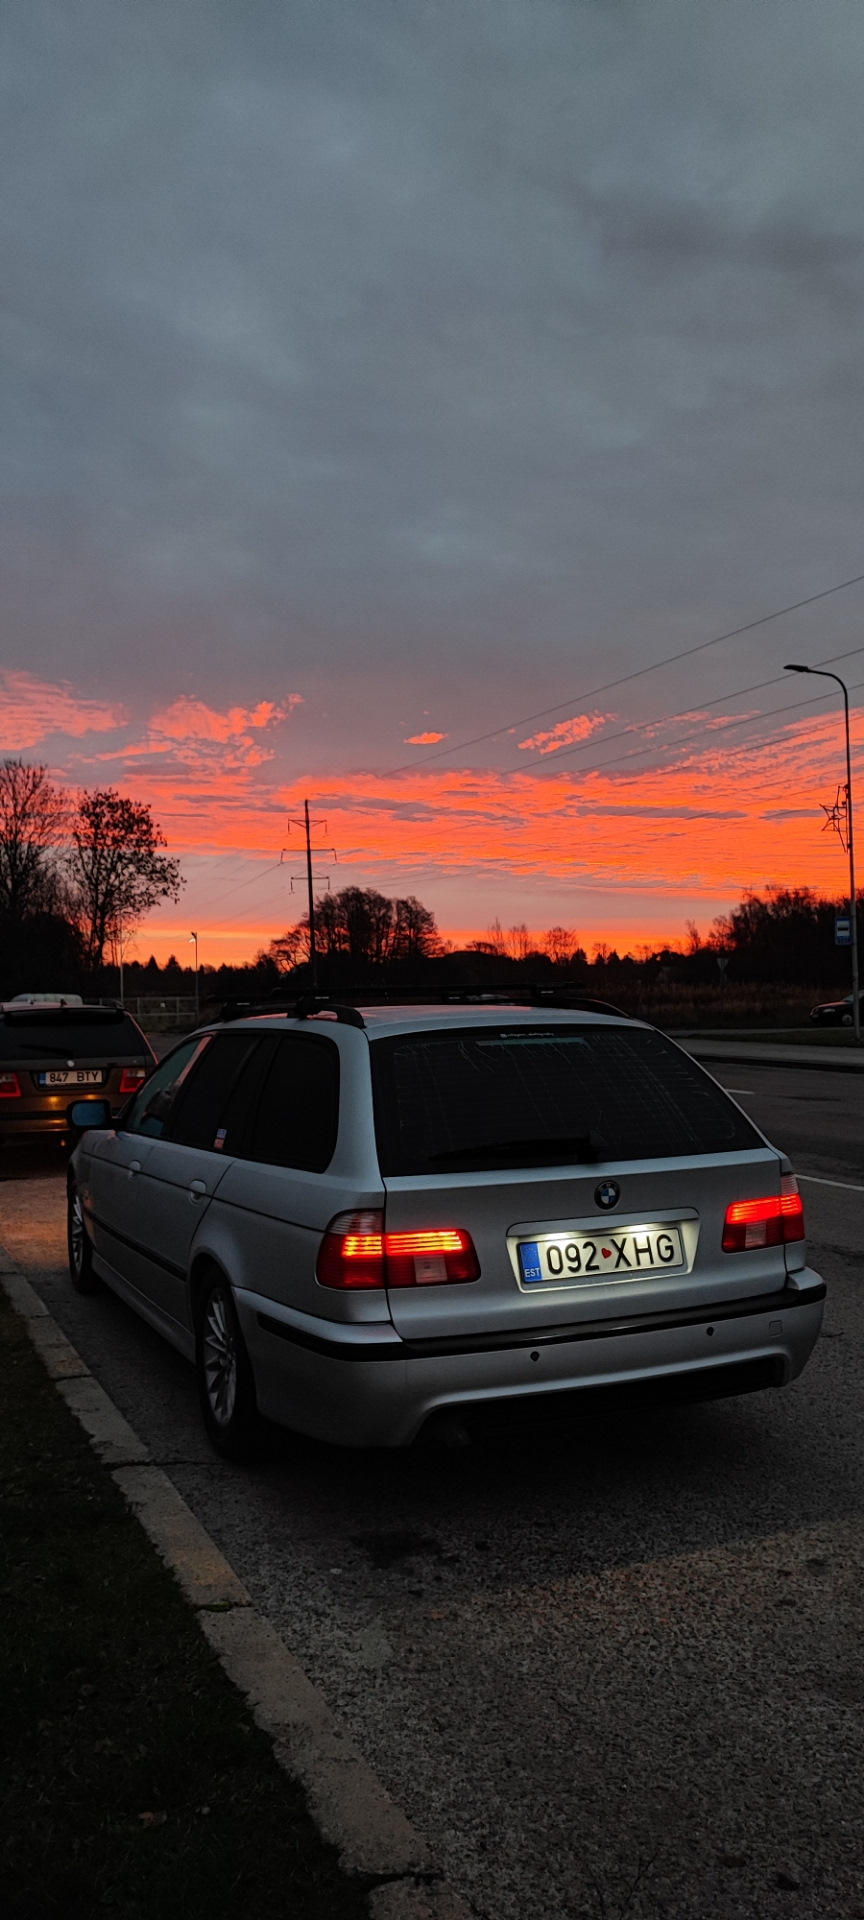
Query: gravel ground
(617, 1672)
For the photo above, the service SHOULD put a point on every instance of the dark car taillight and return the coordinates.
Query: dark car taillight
(763, 1223)
(9, 1086)
(356, 1252)
(132, 1078)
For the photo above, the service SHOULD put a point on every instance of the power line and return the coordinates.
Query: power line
(608, 686)
(748, 719)
(640, 726)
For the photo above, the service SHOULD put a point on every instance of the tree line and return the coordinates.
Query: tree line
(782, 935)
(76, 874)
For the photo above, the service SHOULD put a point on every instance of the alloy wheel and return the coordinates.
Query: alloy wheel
(220, 1356)
(77, 1233)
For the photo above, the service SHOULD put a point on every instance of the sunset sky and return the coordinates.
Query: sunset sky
(387, 387)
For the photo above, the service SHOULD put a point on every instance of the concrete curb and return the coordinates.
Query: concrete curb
(349, 1804)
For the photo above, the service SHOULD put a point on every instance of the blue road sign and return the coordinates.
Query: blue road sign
(842, 930)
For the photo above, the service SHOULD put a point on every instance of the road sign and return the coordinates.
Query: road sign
(842, 930)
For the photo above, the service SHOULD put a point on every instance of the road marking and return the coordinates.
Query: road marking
(747, 1090)
(847, 1185)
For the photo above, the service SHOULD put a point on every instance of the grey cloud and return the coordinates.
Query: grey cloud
(489, 335)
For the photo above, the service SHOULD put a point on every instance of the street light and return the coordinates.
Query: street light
(194, 936)
(853, 903)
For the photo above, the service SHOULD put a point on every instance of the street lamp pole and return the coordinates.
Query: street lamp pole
(194, 936)
(853, 903)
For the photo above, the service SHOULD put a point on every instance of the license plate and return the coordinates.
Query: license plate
(584, 1259)
(66, 1077)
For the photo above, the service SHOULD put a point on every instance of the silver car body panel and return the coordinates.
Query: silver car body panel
(369, 1367)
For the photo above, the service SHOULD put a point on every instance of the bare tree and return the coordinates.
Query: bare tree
(32, 821)
(518, 942)
(364, 925)
(415, 934)
(116, 869)
(561, 944)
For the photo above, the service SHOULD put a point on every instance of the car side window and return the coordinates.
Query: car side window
(152, 1107)
(201, 1102)
(297, 1117)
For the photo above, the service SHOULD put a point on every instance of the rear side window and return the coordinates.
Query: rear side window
(202, 1099)
(89, 1035)
(484, 1098)
(151, 1109)
(297, 1115)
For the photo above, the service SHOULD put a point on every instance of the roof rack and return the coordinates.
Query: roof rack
(342, 1003)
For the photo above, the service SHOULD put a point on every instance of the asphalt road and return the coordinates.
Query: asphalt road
(621, 1672)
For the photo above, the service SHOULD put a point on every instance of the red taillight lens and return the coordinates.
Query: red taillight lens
(132, 1078)
(763, 1223)
(441, 1256)
(9, 1087)
(351, 1253)
(356, 1252)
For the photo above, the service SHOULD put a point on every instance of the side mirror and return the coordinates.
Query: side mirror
(89, 1113)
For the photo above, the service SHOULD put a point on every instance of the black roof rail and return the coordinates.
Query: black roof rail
(312, 1003)
(302, 1002)
(301, 1005)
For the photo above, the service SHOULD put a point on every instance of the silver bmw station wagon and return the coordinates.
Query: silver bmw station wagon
(367, 1223)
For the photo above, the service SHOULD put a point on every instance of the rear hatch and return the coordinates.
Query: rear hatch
(592, 1164)
(60, 1053)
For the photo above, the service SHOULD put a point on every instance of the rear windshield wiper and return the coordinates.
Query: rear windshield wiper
(559, 1149)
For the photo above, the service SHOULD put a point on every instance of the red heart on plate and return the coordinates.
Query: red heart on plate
(606, 1252)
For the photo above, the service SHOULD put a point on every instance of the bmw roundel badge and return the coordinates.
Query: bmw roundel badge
(607, 1194)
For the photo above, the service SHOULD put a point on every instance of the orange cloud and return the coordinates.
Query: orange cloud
(34, 709)
(424, 739)
(566, 732)
(193, 735)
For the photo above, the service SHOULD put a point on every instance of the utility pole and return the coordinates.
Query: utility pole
(313, 957)
(850, 841)
(306, 824)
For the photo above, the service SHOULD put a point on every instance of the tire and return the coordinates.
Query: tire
(81, 1273)
(226, 1384)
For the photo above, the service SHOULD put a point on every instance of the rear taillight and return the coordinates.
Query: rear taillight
(132, 1078)
(429, 1259)
(9, 1087)
(764, 1223)
(356, 1252)
(351, 1253)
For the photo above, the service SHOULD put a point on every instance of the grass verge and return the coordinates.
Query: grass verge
(134, 1780)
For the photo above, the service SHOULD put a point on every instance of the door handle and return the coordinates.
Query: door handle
(134, 1167)
(196, 1188)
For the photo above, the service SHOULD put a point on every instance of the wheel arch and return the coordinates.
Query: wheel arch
(204, 1265)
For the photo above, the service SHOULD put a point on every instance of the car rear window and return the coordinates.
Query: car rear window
(88, 1033)
(485, 1097)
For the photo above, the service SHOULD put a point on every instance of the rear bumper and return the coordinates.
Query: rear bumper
(364, 1386)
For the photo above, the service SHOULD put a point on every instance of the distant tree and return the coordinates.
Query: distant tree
(415, 934)
(562, 945)
(787, 933)
(116, 868)
(518, 942)
(289, 947)
(363, 926)
(32, 822)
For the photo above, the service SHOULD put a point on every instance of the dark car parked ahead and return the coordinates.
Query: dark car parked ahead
(52, 1055)
(837, 1013)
